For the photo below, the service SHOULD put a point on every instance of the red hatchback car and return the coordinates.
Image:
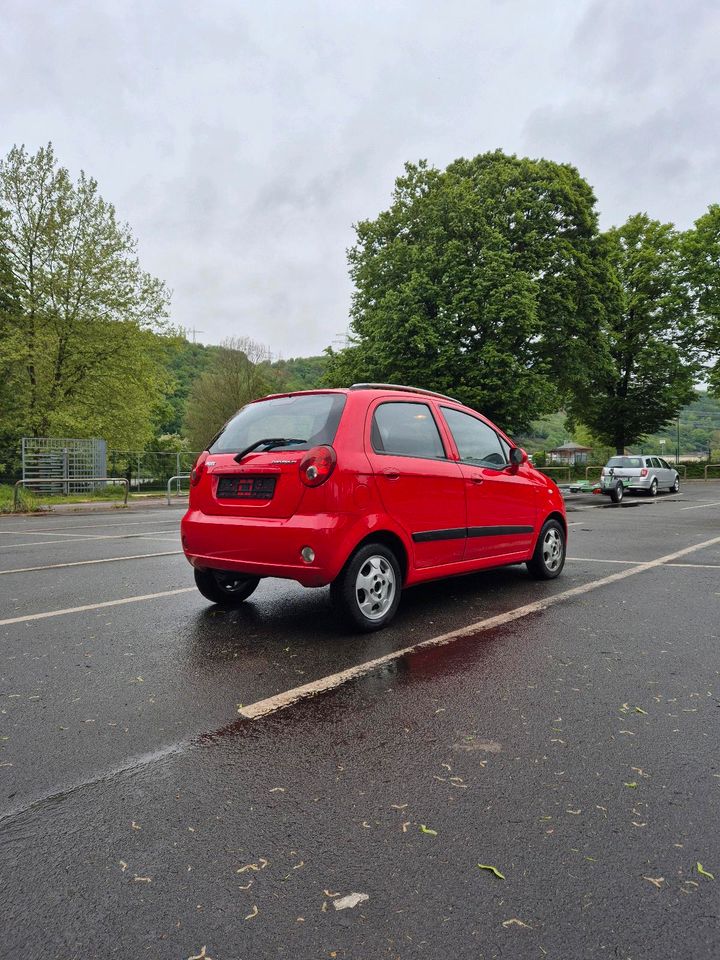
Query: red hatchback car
(369, 489)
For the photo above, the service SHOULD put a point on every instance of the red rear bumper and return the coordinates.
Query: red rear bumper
(267, 548)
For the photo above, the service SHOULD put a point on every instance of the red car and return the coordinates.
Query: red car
(369, 489)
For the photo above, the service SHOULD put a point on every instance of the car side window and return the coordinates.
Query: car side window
(406, 430)
(664, 464)
(477, 443)
(655, 462)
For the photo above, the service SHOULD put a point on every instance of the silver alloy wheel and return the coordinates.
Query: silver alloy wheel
(654, 488)
(375, 587)
(552, 549)
(676, 486)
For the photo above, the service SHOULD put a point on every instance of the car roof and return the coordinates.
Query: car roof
(376, 388)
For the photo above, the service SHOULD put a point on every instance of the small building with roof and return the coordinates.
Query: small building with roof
(570, 454)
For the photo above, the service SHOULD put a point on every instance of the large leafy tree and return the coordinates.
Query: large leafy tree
(236, 374)
(651, 357)
(701, 250)
(80, 335)
(486, 281)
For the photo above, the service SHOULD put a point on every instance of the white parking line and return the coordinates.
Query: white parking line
(699, 506)
(87, 526)
(600, 560)
(282, 700)
(95, 606)
(84, 563)
(85, 538)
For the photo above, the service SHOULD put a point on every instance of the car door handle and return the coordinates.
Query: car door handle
(391, 474)
(477, 479)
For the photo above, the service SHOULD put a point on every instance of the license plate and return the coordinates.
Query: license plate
(246, 488)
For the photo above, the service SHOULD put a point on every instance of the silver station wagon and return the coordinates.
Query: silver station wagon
(646, 474)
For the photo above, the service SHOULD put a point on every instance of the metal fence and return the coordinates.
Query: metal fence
(68, 461)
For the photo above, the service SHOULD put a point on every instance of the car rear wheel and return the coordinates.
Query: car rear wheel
(617, 492)
(549, 556)
(652, 492)
(367, 591)
(224, 586)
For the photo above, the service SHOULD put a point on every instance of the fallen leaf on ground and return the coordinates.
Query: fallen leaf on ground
(703, 872)
(123, 866)
(406, 825)
(135, 826)
(398, 806)
(200, 956)
(640, 710)
(142, 879)
(493, 870)
(329, 894)
(658, 881)
(260, 865)
(278, 790)
(632, 784)
(350, 901)
(514, 922)
(424, 829)
(254, 913)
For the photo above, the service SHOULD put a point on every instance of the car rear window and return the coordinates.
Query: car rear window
(624, 462)
(312, 418)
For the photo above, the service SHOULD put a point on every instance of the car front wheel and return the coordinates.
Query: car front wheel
(549, 556)
(225, 587)
(367, 591)
(676, 486)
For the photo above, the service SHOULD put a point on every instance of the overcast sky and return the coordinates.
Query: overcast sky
(241, 140)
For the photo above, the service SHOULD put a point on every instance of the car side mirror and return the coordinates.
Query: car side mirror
(517, 456)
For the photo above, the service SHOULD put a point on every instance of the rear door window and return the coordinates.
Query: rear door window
(406, 430)
(656, 463)
(477, 443)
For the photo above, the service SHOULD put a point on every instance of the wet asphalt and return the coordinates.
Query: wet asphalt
(575, 750)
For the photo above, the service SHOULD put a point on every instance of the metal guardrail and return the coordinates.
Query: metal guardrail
(179, 476)
(709, 466)
(546, 469)
(66, 481)
(596, 467)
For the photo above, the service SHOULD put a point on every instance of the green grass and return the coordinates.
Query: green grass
(29, 502)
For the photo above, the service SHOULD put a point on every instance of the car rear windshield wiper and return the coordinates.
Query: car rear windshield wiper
(268, 442)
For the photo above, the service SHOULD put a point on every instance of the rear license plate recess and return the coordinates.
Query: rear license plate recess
(246, 488)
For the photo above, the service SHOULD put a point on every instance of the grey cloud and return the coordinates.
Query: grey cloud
(242, 141)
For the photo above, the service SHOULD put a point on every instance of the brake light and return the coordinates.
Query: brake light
(317, 465)
(198, 469)
(644, 472)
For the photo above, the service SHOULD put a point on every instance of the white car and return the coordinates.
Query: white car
(647, 474)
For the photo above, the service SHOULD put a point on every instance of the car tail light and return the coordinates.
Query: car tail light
(198, 469)
(644, 472)
(317, 465)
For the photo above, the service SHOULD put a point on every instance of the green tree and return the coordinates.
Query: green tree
(701, 250)
(235, 376)
(486, 281)
(80, 340)
(650, 363)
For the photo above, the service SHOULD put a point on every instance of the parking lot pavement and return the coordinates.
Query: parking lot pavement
(133, 790)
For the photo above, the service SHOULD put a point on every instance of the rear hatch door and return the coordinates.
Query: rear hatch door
(265, 484)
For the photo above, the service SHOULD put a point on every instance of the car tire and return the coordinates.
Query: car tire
(675, 488)
(366, 593)
(225, 587)
(549, 556)
(652, 492)
(617, 492)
